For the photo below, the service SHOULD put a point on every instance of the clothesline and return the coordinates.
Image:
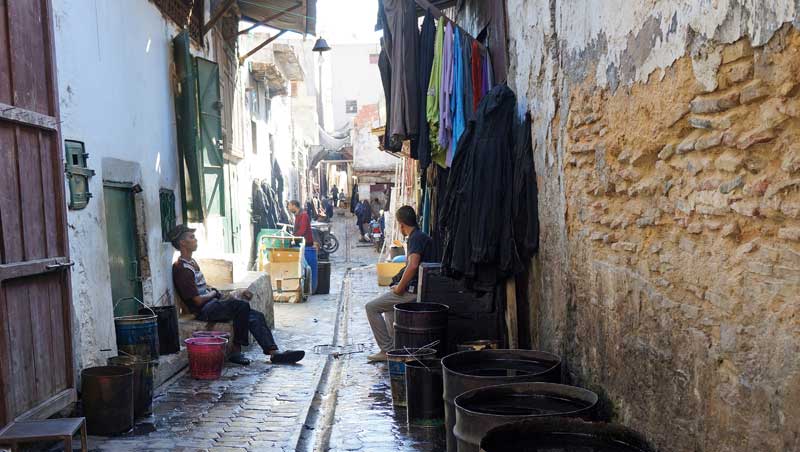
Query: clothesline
(438, 14)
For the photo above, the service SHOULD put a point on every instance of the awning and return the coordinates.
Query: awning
(299, 16)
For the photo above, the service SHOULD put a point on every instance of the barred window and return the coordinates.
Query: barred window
(184, 13)
(167, 198)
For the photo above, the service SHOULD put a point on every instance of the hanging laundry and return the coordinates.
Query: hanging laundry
(432, 101)
(446, 93)
(466, 66)
(487, 73)
(457, 98)
(401, 47)
(421, 147)
(477, 76)
(384, 67)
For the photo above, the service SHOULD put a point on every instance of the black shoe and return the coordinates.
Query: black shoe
(239, 358)
(287, 357)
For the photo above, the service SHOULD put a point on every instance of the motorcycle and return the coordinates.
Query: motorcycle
(323, 235)
(376, 234)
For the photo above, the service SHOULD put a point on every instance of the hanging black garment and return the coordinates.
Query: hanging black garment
(498, 41)
(384, 67)
(401, 47)
(466, 56)
(525, 203)
(354, 199)
(477, 214)
(421, 146)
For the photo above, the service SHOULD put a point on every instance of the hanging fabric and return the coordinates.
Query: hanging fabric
(466, 66)
(384, 67)
(477, 76)
(432, 100)
(421, 147)
(446, 93)
(401, 44)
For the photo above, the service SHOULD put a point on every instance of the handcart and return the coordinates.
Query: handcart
(281, 255)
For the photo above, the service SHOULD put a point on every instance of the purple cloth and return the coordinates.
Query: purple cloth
(446, 89)
(487, 74)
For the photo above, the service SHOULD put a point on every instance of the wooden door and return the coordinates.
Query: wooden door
(36, 376)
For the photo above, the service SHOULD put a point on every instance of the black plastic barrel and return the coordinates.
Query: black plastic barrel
(169, 339)
(420, 324)
(465, 371)
(143, 374)
(107, 397)
(323, 278)
(563, 435)
(424, 393)
(480, 410)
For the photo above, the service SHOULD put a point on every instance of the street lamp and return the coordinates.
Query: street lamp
(320, 46)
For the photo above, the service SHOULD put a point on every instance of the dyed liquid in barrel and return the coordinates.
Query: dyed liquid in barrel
(561, 442)
(526, 405)
(504, 368)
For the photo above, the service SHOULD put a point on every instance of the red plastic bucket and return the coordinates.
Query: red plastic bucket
(206, 356)
(221, 334)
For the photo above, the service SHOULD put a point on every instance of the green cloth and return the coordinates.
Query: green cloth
(438, 154)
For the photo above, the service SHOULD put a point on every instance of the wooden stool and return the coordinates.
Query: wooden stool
(45, 430)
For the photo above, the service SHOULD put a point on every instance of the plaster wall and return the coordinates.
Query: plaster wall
(353, 77)
(115, 87)
(668, 271)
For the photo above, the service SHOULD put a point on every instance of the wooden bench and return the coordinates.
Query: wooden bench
(45, 430)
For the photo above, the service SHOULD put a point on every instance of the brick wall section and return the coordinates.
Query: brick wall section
(681, 246)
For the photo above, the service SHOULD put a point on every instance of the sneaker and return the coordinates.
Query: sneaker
(239, 358)
(287, 357)
(380, 356)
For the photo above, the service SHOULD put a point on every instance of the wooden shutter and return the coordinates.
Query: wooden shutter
(210, 110)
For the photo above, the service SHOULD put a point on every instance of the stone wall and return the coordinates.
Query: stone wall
(666, 145)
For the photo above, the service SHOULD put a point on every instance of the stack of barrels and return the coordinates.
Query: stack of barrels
(489, 399)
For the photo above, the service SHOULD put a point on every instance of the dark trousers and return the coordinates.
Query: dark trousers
(244, 320)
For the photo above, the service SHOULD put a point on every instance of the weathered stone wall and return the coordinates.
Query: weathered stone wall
(666, 145)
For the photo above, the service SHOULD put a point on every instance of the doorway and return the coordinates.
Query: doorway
(123, 255)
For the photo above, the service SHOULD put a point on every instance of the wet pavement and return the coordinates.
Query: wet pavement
(325, 403)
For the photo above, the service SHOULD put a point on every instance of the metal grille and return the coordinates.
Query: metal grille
(167, 199)
(185, 13)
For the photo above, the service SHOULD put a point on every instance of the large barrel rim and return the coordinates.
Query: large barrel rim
(574, 426)
(136, 318)
(412, 356)
(106, 372)
(594, 398)
(443, 308)
(459, 355)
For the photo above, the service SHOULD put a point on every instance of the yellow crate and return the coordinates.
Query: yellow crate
(387, 271)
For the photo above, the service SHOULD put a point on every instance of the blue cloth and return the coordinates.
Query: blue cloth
(426, 211)
(399, 259)
(457, 101)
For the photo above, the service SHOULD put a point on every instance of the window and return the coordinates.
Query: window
(167, 199)
(181, 11)
(351, 106)
(254, 136)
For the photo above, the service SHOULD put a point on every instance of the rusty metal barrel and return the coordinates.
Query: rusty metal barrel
(421, 324)
(481, 410)
(107, 397)
(563, 435)
(465, 371)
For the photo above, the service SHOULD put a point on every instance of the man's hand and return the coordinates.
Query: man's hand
(397, 291)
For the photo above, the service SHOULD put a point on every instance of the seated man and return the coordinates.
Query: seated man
(419, 249)
(207, 304)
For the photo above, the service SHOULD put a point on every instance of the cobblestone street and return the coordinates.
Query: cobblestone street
(265, 407)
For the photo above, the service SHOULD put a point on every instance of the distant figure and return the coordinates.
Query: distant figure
(328, 205)
(335, 195)
(376, 208)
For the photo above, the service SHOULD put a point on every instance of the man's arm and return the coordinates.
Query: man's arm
(411, 271)
(201, 300)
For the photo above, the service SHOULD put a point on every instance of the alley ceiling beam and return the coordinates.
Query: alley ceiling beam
(260, 46)
(217, 16)
(270, 18)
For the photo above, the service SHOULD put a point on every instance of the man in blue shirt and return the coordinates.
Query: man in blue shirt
(419, 249)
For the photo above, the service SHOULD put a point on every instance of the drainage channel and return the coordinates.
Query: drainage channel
(319, 422)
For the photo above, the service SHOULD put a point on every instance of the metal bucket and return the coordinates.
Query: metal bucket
(478, 345)
(465, 371)
(137, 335)
(480, 410)
(420, 324)
(424, 392)
(143, 372)
(107, 396)
(169, 340)
(397, 360)
(563, 435)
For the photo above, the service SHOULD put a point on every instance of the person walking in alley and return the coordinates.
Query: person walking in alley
(208, 304)
(302, 223)
(419, 249)
(335, 195)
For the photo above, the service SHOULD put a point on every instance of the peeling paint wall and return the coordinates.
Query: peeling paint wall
(665, 144)
(115, 88)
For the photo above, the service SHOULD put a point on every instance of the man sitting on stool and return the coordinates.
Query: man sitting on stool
(207, 304)
(419, 249)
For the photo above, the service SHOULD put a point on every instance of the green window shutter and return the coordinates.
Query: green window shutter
(210, 120)
(168, 221)
(186, 116)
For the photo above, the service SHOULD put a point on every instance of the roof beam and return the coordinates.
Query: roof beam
(271, 18)
(260, 46)
(217, 16)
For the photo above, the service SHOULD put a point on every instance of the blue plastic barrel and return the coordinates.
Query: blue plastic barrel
(311, 260)
(137, 335)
